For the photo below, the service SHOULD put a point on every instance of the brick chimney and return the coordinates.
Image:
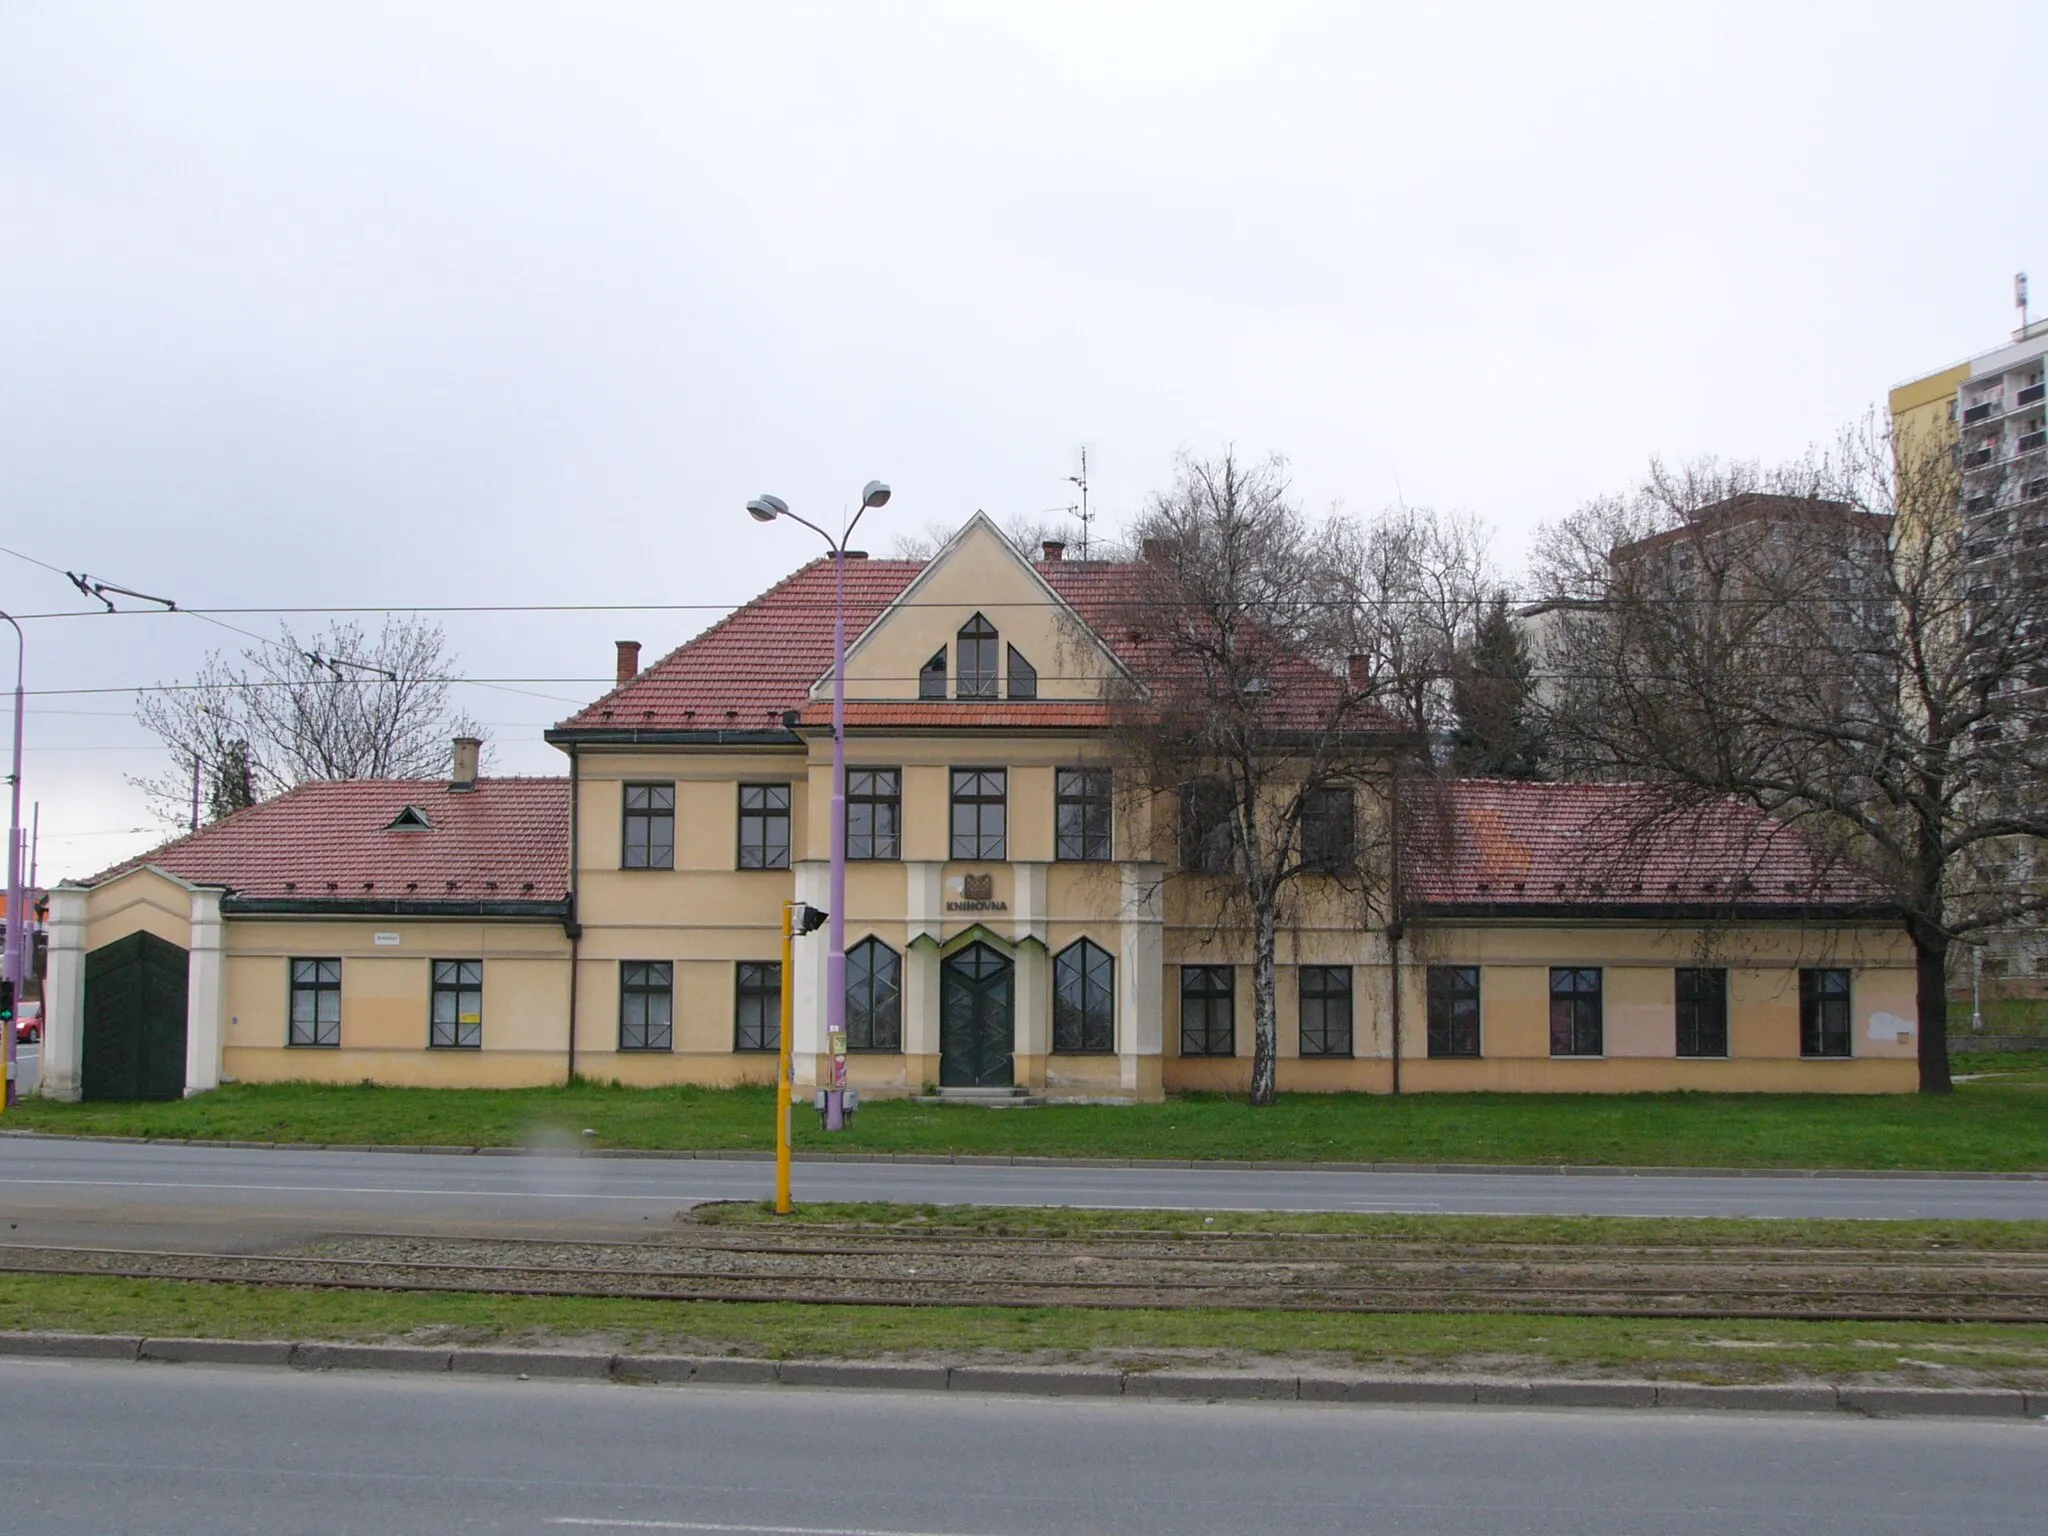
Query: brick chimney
(1153, 550)
(462, 778)
(1055, 551)
(1358, 672)
(629, 659)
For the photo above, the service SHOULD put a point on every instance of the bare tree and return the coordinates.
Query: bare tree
(338, 705)
(1824, 643)
(1269, 752)
(1027, 531)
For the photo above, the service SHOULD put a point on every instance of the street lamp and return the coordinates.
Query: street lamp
(766, 509)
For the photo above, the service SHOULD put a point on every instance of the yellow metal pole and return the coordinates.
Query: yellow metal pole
(784, 1059)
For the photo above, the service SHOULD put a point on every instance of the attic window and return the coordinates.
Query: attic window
(931, 678)
(977, 641)
(1023, 676)
(411, 819)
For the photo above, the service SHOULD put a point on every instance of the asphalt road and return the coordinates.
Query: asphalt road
(102, 1449)
(135, 1195)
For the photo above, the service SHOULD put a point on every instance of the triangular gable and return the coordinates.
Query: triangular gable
(977, 571)
(411, 819)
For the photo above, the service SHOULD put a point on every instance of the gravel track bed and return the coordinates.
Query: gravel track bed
(882, 1267)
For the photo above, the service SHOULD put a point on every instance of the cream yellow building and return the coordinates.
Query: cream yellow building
(1013, 924)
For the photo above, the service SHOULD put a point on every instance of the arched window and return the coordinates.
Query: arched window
(977, 640)
(1084, 998)
(874, 997)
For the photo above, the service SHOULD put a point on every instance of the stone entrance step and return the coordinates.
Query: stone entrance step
(992, 1098)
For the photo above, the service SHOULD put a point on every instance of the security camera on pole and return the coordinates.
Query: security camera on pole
(765, 509)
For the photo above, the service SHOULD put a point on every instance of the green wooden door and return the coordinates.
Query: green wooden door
(134, 1046)
(976, 1020)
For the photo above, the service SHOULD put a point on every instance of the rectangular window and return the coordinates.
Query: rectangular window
(764, 826)
(1328, 822)
(1824, 1013)
(874, 813)
(1081, 798)
(980, 813)
(1702, 1012)
(757, 1006)
(650, 834)
(458, 1005)
(647, 1000)
(1454, 1010)
(316, 1003)
(1575, 1011)
(1325, 1010)
(1208, 829)
(1023, 675)
(1208, 1010)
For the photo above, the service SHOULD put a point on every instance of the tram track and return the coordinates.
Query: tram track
(1319, 1272)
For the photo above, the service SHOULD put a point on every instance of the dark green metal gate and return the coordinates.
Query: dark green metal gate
(134, 1045)
(976, 1020)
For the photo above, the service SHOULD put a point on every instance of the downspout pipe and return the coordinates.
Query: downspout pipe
(573, 924)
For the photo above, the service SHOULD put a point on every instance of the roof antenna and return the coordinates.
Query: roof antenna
(2019, 299)
(1085, 515)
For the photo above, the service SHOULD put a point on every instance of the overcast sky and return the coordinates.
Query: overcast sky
(312, 304)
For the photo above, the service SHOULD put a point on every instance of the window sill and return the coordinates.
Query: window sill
(1107, 1050)
(1326, 1056)
(1578, 1056)
(646, 1050)
(477, 1047)
(760, 869)
(1703, 1056)
(647, 869)
(312, 1045)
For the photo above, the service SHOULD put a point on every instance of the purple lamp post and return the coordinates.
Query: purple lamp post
(765, 509)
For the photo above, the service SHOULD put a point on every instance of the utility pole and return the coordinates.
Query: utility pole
(17, 914)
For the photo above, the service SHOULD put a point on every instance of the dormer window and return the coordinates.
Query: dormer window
(931, 678)
(1023, 676)
(411, 819)
(977, 640)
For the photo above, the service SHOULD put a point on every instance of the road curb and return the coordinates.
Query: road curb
(1027, 1160)
(1040, 1381)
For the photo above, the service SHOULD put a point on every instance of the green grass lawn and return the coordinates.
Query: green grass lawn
(1946, 1354)
(1998, 1123)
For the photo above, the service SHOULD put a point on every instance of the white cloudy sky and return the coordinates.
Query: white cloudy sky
(365, 303)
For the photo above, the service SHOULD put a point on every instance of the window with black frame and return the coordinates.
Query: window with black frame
(1208, 826)
(977, 672)
(874, 813)
(647, 999)
(1575, 1023)
(649, 840)
(1325, 1010)
(1702, 995)
(1208, 1010)
(931, 678)
(1824, 1028)
(1023, 676)
(458, 1005)
(757, 1006)
(1453, 1007)
(1081, 814)
(981, 799)
(315, 1017)
(874, 997)
(1328, 829)
(1084, 999)
(764, 826)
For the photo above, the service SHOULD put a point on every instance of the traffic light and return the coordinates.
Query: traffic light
(6, 1004)
(808, 919)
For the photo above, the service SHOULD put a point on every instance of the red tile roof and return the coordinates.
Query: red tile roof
(743, 672)
(1495, 843)
(507, 840)
(961, 714)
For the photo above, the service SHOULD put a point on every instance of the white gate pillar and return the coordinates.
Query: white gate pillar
(64, 995)
(205, 992)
